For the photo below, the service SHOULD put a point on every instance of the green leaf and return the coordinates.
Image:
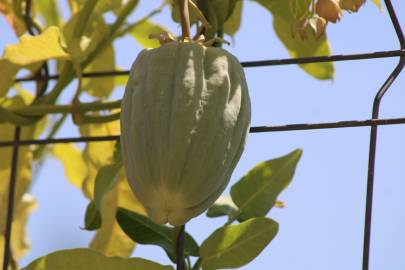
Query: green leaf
(224, 206)
(233, 246)
(256, 192)
(233, 23)
(73, 163)
(29, 51)
(92, 219)
(144, 231)
(220, 210)
(283, 19)
(141, 31)
(86, 259)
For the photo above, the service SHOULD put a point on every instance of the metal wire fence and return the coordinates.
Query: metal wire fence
(374, 122)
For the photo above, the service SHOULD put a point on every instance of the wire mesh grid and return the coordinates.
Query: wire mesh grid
(374, 122)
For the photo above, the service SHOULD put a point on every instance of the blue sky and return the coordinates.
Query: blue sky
(321, 226)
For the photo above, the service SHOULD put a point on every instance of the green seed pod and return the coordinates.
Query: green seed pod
(184, 120)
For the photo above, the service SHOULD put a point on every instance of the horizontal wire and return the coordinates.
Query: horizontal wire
(257, 129)
(261, 63)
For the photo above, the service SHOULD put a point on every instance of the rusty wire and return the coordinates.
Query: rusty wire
(374, 122)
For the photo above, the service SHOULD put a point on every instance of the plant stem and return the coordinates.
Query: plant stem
(180, 233)
(37, 153)
(233, 218)
(39, 110)
(185, 19)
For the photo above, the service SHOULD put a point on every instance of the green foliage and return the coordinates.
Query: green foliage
(256, 193)
(233, 246)
(233, 23)
(81, 41)
(224, 206)
(144, 231)
(86, 259)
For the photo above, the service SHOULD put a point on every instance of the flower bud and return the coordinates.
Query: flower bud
(351, 5)
(329, 9)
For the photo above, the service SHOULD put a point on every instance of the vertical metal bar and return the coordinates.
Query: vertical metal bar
(373, 138)
(10, 203)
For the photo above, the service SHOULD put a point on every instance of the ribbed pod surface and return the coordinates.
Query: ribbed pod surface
(184, 120)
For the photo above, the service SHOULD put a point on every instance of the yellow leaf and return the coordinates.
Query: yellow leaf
(94, 32)
(19, 242)
(142, 31)
(378, 4)
(101, 86)
(23, 204)
(100, 153)
(110, 239)
(75, 167)
(36, 49)
(49, 10)
(85, 259)
(30, 50)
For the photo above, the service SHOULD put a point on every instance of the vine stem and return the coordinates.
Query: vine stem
(180, 234)
(185, 19)
(40, 110)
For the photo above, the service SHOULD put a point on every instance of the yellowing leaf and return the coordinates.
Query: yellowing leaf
(101, 86)
(30, 50)
(142, 31)
(378, 4)
(86, 259)
(73, 163)
(100, 153)
(110, 239)
(283, 20)
(19, 242)
(36, 49)
(305, 48)
(23, 204)
(94, 31)
(49, 11)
